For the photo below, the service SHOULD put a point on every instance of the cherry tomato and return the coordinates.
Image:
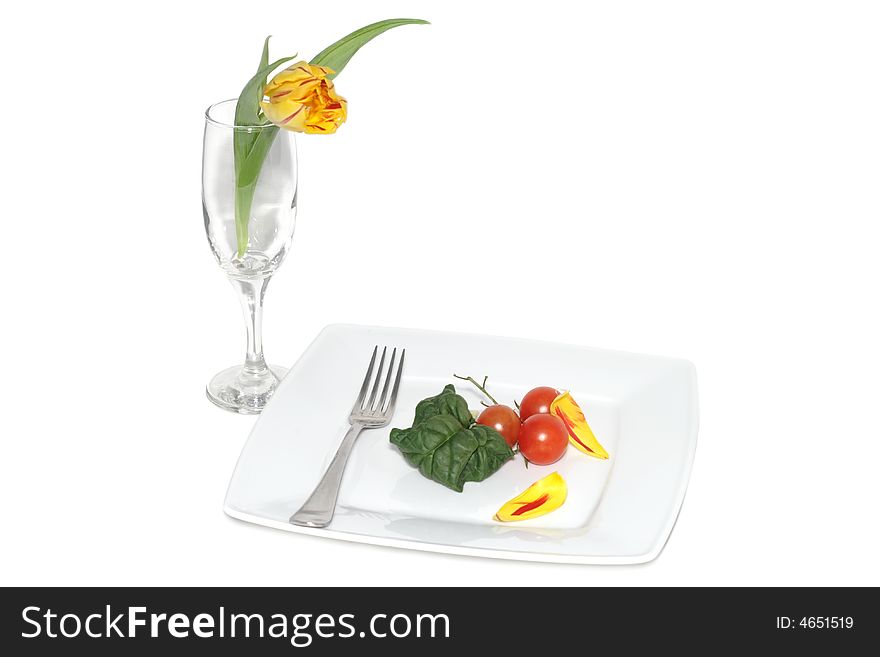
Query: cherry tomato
(503, 419)
(543, 439)
(537, 400)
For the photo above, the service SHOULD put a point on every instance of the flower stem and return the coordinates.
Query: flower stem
(481, 388)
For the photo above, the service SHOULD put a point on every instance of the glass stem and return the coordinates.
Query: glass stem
(251, 292)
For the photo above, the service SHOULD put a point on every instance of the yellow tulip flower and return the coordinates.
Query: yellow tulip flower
(302, 98)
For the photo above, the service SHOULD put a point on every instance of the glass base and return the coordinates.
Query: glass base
(240, 391)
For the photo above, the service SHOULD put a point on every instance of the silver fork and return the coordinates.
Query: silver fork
(367, 413)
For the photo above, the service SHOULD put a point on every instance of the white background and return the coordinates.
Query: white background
(694, 179)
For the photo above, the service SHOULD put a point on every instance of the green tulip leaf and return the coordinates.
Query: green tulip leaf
(251, 146)
(247, 110)
(336, 56)
(264, 62)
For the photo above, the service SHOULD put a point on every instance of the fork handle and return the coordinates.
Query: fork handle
(318, 509)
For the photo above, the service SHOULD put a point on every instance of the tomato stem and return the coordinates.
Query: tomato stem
(481, 388)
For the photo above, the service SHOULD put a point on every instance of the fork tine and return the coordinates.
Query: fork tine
(375, 389)
(363, 392)
(387, 381)
(393, 400)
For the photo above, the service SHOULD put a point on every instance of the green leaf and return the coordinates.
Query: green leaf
(247, 111)
(448, 403)
(445, 444)
(492, 452)
(264, 62)
(248, 107)
(336, 56)
(250, 147)
(247, 173)
(250, 167)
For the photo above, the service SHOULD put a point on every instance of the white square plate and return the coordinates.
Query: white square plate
(643, 409)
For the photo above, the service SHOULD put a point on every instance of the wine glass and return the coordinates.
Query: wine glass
(249, 223)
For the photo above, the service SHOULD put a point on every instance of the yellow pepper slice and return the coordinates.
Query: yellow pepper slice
(543, 496)
(579, 433)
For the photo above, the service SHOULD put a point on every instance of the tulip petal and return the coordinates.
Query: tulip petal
(579, 433)
(542, 497)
